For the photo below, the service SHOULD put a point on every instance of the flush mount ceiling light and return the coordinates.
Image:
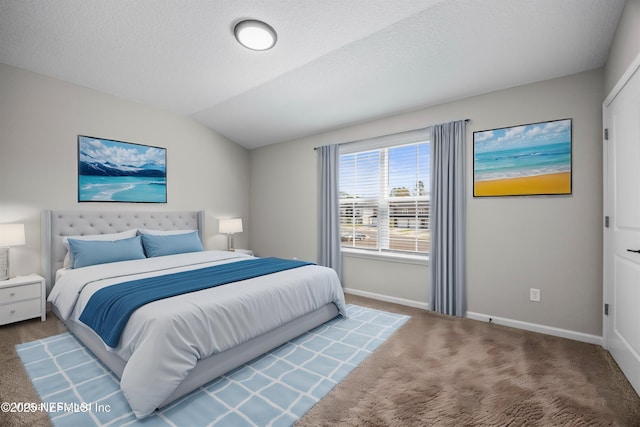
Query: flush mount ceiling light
(255, 35)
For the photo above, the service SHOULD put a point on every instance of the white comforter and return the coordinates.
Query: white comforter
(164, 339)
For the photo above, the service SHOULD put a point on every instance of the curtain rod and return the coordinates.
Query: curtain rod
(349, 142)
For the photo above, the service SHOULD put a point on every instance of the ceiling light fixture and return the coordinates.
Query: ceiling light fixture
(255, 35)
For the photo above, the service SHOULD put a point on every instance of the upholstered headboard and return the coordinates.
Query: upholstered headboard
(57, 224)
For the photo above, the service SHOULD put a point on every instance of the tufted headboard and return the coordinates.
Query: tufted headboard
(57, 224)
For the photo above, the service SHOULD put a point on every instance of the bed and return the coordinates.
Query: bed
(172, 346)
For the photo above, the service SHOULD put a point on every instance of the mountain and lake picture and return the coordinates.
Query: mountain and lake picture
(116, 171)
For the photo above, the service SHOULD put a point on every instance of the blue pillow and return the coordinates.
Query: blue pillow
(91, 252)
(170, 244)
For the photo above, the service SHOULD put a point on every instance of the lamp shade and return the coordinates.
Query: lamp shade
(11, 235)
(230, 226)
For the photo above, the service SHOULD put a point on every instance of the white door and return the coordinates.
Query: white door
(621, 326)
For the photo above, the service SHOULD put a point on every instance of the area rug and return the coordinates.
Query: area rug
(274, 389)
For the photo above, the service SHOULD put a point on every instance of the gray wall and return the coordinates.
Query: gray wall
(40, 119)
(625, 46)
(551, 243)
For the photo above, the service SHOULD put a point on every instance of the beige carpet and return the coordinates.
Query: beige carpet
(435, 371)
(440, 371)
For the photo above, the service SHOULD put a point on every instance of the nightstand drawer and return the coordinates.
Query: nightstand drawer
(20, 311)
(19, 293)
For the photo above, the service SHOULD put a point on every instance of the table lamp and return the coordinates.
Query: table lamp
(230, 227)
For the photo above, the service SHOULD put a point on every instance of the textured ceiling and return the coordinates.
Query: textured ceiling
(337, 62)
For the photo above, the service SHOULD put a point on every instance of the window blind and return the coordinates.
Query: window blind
(384, 194)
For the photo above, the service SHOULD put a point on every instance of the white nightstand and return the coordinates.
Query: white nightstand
(245, 251)
(21, 298)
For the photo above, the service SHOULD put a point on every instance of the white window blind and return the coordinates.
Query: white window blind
(384, 193)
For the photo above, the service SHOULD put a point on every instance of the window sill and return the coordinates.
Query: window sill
(391, 257)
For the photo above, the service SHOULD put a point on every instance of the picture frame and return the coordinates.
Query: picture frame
(117, 171)
(534, 159)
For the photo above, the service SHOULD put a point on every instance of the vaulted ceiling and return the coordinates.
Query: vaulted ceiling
(336, 63)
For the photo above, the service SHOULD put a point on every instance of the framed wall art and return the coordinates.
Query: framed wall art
(526, 160)
(116, 171)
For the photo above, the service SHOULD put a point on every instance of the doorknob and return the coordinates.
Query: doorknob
(635, 251)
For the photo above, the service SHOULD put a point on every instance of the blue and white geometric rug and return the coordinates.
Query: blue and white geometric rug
(275, 389)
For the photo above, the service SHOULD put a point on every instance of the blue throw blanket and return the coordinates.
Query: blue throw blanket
(109, 309)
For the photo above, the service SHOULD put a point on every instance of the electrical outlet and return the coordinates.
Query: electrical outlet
(534, 295)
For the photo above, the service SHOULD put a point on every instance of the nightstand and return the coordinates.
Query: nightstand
(21, 298)
(245, 251)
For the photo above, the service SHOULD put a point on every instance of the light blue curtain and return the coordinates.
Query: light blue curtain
(329, 246)
(448, 219)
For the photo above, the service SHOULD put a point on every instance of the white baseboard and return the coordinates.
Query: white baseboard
(387, 298)
(534, 327)
(518, 324)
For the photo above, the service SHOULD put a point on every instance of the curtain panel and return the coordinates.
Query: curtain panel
(329, 245)
(448, 219)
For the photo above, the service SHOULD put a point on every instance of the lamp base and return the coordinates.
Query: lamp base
(4, 263)
(230, 247)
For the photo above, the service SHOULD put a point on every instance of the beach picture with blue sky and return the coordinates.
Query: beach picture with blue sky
(533, 159)
(116, 171)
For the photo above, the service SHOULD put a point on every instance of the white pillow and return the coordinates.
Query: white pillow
(164, 232)
(68, 261)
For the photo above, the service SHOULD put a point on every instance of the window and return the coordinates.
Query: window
(384, 194)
